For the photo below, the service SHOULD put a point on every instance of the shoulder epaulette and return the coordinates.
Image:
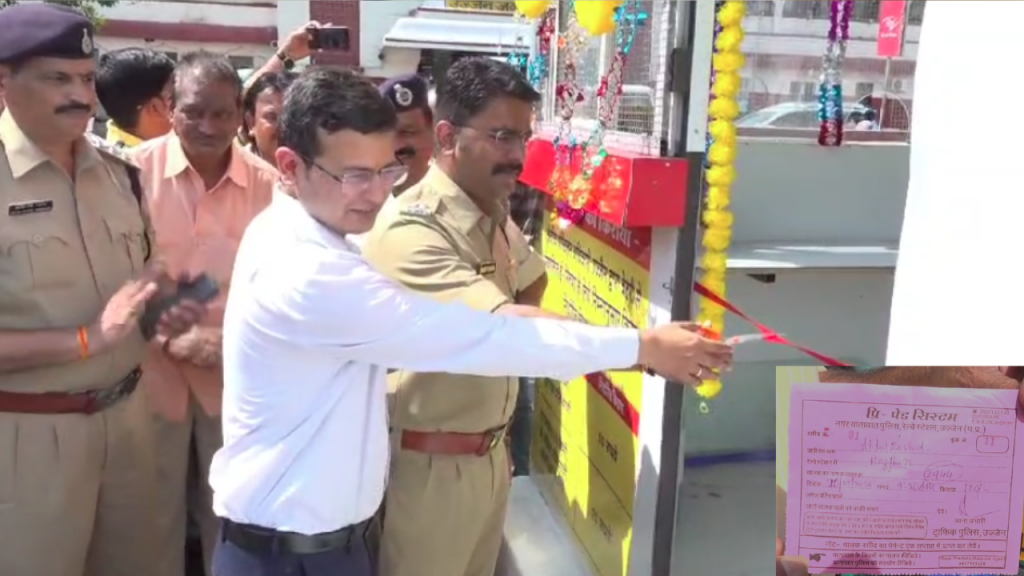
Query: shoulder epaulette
(107, 149)
(417, 201)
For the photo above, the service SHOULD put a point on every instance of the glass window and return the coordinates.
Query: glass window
(810, 9)
(802, 119)
(863, 89)
(865, 11)
(915, 13)
(760, 8)
(239, 62)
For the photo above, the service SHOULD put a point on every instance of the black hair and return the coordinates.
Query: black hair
(331, 100)
(277, 82)
(209, 66)
(128, 78)
(870, 114)
(473, 83)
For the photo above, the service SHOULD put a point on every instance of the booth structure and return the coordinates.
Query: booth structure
(617, 486)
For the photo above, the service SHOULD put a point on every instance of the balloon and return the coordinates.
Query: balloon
(597, 16)
(532, 8)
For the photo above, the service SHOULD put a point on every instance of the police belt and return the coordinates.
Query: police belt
(89, 402)
(454, 443)
(259, 540)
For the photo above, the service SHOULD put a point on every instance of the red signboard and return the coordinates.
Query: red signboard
(891, 20)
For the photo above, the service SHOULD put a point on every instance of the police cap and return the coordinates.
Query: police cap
(44, 30)
(406, 92)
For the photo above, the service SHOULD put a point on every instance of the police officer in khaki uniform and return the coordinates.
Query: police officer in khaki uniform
(76, 468)
(450, 237)
(415, 142)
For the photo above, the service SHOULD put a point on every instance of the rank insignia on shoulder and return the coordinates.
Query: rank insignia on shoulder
(108, 149)
(417, 209)
(486, 268)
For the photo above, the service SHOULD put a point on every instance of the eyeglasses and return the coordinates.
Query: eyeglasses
(361, 179)
(504, 138)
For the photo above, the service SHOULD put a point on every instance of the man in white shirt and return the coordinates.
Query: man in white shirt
(310, 329)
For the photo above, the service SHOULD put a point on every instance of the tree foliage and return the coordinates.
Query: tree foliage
(89, 7)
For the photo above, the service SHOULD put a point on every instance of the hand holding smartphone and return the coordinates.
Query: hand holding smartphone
(200, 289)
(329, 38)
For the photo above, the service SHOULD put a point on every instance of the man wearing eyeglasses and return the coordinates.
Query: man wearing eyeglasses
(203, 189)
(450, 237)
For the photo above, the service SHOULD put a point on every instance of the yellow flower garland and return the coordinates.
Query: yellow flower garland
(723, 110)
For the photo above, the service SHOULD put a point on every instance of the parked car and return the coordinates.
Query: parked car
(793, 115)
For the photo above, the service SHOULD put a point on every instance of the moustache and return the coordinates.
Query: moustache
(514, 169)
(405, 153)
(73, 107)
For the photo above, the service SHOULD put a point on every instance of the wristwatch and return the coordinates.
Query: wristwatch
(283, 57)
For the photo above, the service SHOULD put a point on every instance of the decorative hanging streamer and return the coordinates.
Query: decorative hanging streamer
(537, 70)
(720, 171)
(830, 87)
(536, 63)
(581, 194)
(568, 93)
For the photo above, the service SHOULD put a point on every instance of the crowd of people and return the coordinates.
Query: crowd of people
(362, 244)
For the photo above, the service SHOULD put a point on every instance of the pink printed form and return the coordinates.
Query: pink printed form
(904, 480)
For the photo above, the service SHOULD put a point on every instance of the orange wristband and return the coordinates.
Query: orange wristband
(83, 342)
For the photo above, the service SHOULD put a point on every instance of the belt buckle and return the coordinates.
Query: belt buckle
(100, 400)
(497, 436)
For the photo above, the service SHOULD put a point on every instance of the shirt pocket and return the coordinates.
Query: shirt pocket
(35, 259)
(130, 244)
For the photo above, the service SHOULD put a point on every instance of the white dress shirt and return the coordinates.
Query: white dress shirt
(308, 332)
(957, 298)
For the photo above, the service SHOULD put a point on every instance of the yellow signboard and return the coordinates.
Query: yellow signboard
(483, 6)
(585, 446)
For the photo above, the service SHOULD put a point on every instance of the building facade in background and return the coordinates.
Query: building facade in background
(784, 44)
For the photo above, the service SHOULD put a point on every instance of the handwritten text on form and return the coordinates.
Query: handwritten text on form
(905, 480)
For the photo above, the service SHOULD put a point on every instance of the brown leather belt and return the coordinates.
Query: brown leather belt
(88, 402)
(454, 443)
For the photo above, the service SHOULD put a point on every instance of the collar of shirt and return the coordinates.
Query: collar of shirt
(23, 155)
(464, 213)
(177, 162)
(116, 135)
(306, 228)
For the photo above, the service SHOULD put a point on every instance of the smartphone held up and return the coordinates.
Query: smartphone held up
(329, 38)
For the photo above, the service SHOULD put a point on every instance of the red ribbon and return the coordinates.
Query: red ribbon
(770, 335)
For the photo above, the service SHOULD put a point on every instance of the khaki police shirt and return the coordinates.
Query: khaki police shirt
(435, 241)
(66, 246)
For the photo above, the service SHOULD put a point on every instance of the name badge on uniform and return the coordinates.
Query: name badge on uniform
(486, 268)
(24, 208)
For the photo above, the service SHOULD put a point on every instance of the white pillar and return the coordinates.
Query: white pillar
(291, 15)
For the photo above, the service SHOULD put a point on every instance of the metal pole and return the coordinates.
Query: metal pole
(691, 78)
(885, 93)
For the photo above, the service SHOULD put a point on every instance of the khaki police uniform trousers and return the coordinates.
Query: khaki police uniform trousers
(174, 442)
(76, 493)
(444, 515)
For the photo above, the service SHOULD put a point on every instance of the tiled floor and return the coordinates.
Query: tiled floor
(726, 513)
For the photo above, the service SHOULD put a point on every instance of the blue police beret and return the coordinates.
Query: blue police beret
(44, 30)
(406, 92)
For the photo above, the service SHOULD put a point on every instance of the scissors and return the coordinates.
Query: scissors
(707, 332)
(745, 338)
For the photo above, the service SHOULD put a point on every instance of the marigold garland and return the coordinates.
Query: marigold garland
(723, 109)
